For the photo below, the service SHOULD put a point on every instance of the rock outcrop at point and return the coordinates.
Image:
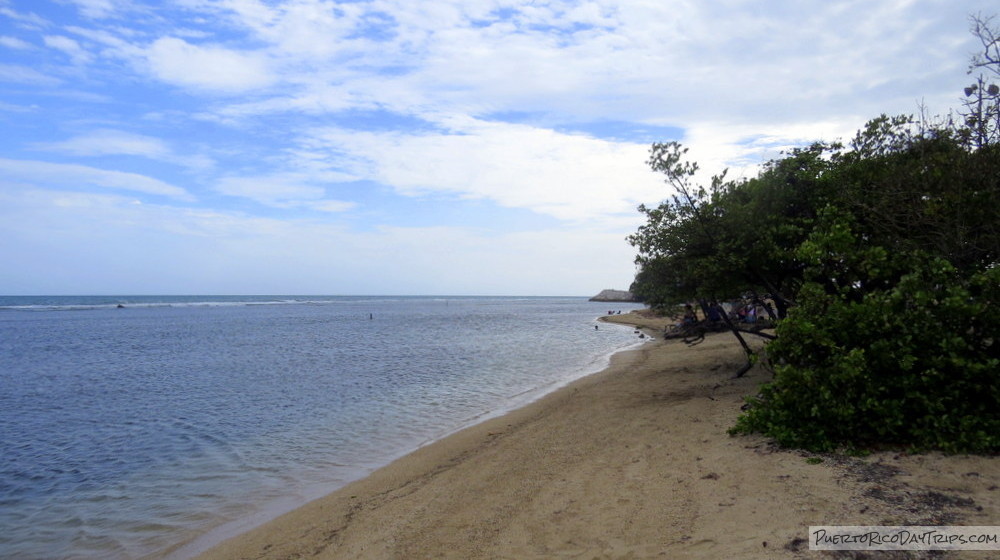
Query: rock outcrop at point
(615, 295)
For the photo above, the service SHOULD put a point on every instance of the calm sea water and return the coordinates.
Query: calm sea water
(125, 431)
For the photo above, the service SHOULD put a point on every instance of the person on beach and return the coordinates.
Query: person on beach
(690, 317)
(715, 312)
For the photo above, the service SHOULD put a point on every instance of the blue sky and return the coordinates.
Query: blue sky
(491, 147)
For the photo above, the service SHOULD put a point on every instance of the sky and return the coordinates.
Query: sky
(414, 147)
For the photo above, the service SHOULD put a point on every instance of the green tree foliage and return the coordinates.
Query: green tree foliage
(884, 260)
(884, 348)
(673, 244)
(887, 253)
(733, 238)
(923, 190)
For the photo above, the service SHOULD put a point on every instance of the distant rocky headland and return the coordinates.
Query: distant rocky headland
(615, 295)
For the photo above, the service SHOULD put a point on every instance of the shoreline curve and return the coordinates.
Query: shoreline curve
(632, 461)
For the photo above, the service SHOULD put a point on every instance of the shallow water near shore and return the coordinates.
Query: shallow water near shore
(126, 431)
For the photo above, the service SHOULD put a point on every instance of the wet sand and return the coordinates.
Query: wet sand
(632, 462)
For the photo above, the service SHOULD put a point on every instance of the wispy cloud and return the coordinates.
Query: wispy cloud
(12, 108)
(101, 142)
(14, 43)
(98, 8)
(69, 47)
(207, 67)
(107, 141)
(282, 191)
(62, 175)
(24, 75)
(23, 19)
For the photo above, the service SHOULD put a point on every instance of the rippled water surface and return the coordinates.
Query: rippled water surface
(128, 430)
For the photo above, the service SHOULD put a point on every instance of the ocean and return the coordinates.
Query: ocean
(130, 426)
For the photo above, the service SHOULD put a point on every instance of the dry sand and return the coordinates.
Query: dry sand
(633, 462)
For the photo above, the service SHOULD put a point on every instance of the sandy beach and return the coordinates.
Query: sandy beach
(632, 462)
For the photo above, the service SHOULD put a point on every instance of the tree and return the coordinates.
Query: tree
(886, 256)
(982, 104)
(884, 261)
(676, 246)
(893, 338)
(735, 237)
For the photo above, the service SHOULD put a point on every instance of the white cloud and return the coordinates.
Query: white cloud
(12, 108)
(116, 45)
(325, 101)
(570, 177)
(28, 20)
(282, 191)
(96, 8)
(62, 175)
(209, 68)
(116, 142)
(305, 29)
(682, 63)
(332, 206)
(14, 43)
(271, 190)
(107, 141)
(25, 75)
(744, 148)
(69, 47)
(670, 63)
